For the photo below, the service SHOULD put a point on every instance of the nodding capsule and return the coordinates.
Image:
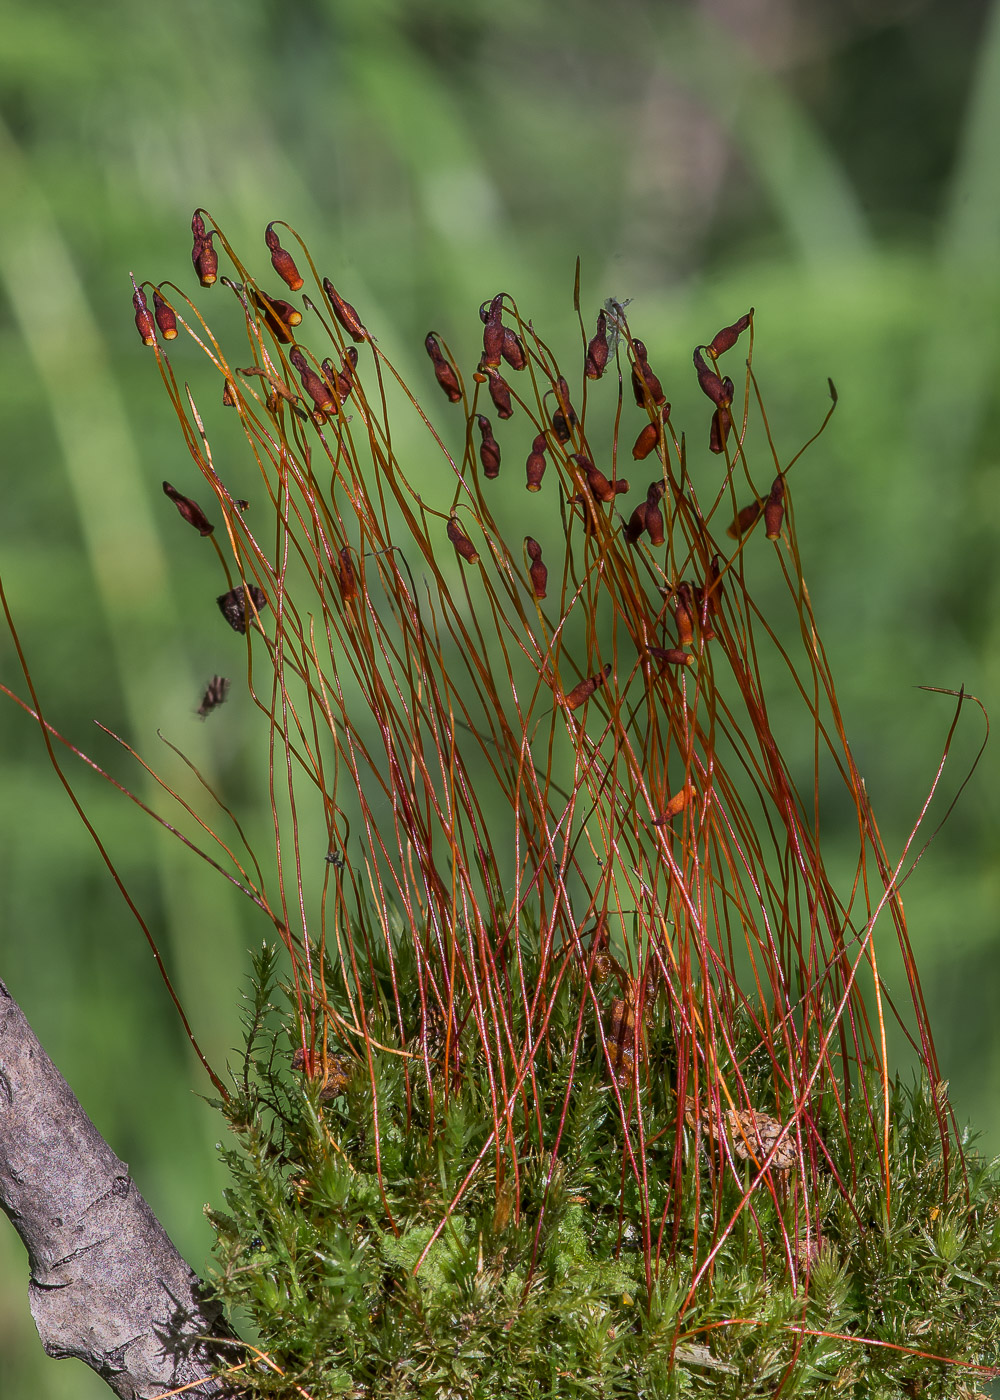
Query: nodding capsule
(165, 318)
(443, 371)
(654, 516)
(203, 255)
(745, 518)
(636, 523)
(500, 394)
(513, 350)
(649, 436)
(535, 465)
(645, 442)
(282, 261)
(315, 386)
(675, 805)
(600, 487)
(190, 510)
(344, 312)
(726, 338)
(564, 418)
(144, 322)
(537, 571)
(671, 656)
(722, 422)
(343, 378)
(493, 331)
(712, 384)
(644, 381)
(774, 508)
(489, 448)
(279, 316)
(346, 576)
(463, 545)
(575, 697)
(596, 359)
(684, 614)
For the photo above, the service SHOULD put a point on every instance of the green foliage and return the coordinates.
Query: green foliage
(367, 1272)
(269, 106)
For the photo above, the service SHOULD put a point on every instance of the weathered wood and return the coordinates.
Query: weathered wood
(107, 1284)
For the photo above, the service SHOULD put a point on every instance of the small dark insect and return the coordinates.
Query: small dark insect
(335, 859)
(233, 605)
(240, 504)
(215, 695)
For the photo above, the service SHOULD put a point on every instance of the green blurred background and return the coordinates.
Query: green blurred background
(836, 164)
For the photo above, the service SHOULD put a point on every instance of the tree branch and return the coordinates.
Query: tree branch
(107, 1284)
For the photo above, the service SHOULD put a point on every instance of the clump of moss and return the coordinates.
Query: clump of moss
(343, 1242)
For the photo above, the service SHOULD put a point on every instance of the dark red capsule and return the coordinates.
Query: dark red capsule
(513, 350)
(489, 448)
(649, 436)
(165, 318)
(535, 465)
(344, 312)
(654, 516)
(644, 381)
(645, 442)
(671, 656)
(575, 697)
(343, 378)
(317, 389)
(282, 261)
(443, 371)
(346, 576)
(709, 597)
(290, 314)
(636, 523)
(279, 316)
(500, 394)
(684, 614)
(191, 511)
(596, 359)
(203, 255)
(346, 376)
(144, 322)
(560, 427)
(600, 487)
(722, 422)
(564, 419)
(728, 336)
(463, 545)
(745, 518)
(653, 385)
(234, 605)
(493, 333)
(774, 508)
(537, 571)
(711, 383)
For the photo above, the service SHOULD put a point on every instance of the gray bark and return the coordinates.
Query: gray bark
(107, 1284)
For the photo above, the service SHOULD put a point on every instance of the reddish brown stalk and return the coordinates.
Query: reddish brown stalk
(531, 746)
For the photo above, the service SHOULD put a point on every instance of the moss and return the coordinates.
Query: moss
(543, 1288)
